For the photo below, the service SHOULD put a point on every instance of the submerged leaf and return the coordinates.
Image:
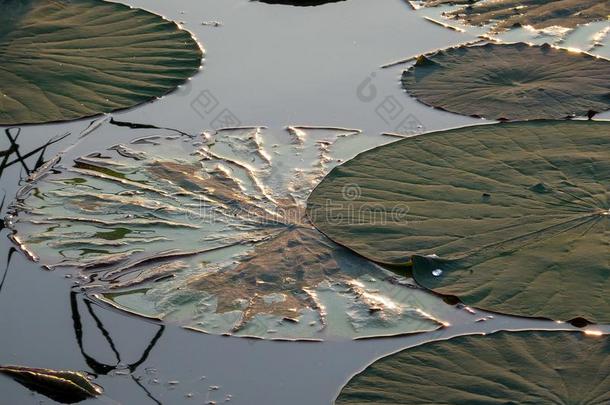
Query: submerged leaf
(211, 233)
(66, 387)
(503, 368)
(536, 13)
(512, 82)
(513, 217)
(63, 60)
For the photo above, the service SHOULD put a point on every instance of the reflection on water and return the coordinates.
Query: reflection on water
(100, 368)
(9, 256)
(14, 155)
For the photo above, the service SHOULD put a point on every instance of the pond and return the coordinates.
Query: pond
(266, 65)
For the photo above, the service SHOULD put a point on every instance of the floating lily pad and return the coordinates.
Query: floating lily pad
(512, 217)
(66, 387)
(511, 82)
(536, 13)
(211, 233)
(63, 60)
(503, 368)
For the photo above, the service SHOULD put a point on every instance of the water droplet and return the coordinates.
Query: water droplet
(437, 272)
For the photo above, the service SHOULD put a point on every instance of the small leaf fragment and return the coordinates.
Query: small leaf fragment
(63, 386)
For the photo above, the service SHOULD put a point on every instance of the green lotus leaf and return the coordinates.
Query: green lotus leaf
(511, 82)
(512, 217)
(502, 368)
(211, 233)
(63, 60)
(65, 387)
(536, 13)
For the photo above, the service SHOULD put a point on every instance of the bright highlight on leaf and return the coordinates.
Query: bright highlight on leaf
(510, 217)
(62, 60)
(511, 82)
(505, 14)
(211, 233)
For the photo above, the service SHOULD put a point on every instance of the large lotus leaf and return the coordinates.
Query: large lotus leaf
(503, 368)
(536, 13)
(510, 217)
(211, 233)
(66, 387)
(511, 82)
(62, 60)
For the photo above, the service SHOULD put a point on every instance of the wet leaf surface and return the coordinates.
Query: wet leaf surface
(511, 82)
(503, 368)
(505, 14)
(63, 60)
(66, 387)
(211, 233)
(512, 218)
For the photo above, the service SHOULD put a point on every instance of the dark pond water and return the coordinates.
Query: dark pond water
(271, 65)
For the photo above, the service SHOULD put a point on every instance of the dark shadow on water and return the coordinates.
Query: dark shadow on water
(9, 256)
(146, 391)
(100, 368)
(134, 125)
(300, 3)
(13, 154)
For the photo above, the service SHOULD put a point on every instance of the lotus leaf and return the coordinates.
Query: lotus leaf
(63, 60)
(503, 368)
(512, 217)
(511, 82)
(211, 233)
